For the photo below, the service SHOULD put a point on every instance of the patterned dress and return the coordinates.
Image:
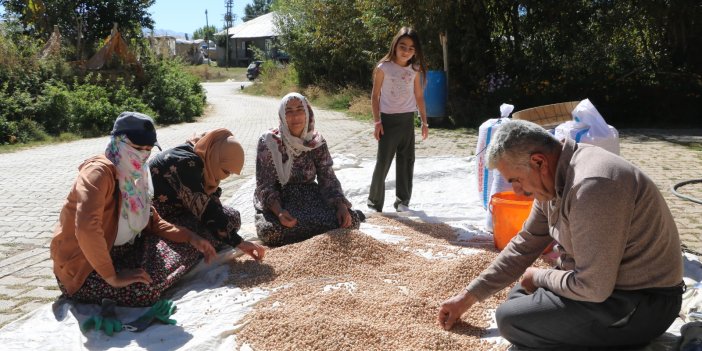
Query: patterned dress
(96, 194)
(180, 198)
(312, 203)
(165, 261)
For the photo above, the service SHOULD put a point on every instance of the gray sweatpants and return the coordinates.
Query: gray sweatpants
(397, 138)
(544, 320)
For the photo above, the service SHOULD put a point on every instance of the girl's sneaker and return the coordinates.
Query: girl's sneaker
(402, 208)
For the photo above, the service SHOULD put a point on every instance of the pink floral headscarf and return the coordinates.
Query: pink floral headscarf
(135, 188)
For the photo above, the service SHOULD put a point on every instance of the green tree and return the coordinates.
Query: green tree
(634, 59)
(205, 32)
(330, 36)
(257, 8)
(84, 23)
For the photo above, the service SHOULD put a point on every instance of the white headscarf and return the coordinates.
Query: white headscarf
(293, 146)
(135, 186)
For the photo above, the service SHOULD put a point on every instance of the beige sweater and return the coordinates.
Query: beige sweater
(87, 226)
(614, 227)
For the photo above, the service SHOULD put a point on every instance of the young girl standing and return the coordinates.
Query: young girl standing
(397, 94)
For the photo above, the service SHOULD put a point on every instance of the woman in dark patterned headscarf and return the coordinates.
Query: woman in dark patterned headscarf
(186, 188)
(297, 193)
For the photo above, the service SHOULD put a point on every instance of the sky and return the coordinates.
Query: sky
(185, 16)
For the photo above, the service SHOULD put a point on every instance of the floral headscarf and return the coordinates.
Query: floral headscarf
(135, 187)
(293, 146)
(219, 151)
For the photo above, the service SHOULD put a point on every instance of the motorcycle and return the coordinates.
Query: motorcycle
(253, 70)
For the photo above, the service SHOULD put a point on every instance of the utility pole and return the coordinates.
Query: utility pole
(228, 20)
(207, 40)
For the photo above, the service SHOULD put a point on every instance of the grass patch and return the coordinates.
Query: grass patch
(695, 146)
(213, 73)
(275, 80)
(62, 138)
(278, 80)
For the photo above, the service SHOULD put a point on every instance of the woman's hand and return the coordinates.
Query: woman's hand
(343, 216)
(286, 219)
(378, 132)
(254, 250)
(127, 277)
(204, 246)
(425, 131)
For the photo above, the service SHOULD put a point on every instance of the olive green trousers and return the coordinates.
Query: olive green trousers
(397, 139)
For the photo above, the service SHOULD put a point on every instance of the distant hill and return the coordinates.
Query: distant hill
(167, 32)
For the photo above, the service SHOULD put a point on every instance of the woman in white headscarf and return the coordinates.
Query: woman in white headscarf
(297, 193)
(110, 242)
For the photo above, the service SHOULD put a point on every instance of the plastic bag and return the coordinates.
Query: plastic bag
(484, 175)
(589, 127)
(489, 180)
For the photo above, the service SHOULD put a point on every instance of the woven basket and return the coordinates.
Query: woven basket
(548, 116)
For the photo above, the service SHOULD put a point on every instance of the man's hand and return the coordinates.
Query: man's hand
(204, 246)
(343, 216)
(378, 132)
(452, 309)
(256, 251)
(127, 277)
(528, 280)
(286, 219)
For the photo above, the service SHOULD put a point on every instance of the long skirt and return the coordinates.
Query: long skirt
(314, 216)
(164, 260)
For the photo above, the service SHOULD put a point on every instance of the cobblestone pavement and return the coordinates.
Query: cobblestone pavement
(35, 181)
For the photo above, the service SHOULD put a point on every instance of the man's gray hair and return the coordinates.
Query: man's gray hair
(516, 140)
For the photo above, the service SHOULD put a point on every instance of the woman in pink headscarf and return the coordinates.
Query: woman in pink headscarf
(297, 193)
(110, 242)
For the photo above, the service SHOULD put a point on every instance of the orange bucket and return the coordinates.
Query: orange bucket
(509, 211)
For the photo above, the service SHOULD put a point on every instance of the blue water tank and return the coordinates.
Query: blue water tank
(435, 94)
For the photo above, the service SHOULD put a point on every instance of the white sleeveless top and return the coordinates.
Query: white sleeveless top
(397, 92)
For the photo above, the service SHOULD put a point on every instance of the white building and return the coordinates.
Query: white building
(260, 32)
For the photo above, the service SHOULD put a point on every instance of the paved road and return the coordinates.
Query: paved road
(35, 181)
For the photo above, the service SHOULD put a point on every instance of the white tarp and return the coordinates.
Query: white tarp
(209, 312)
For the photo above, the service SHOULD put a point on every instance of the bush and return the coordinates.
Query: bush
(125, 97)
(91, 110)
(16, 105)
(8, 131)
(40, 96)
(23, 131)
(175, 95)
(29, 130)
(53, 107)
